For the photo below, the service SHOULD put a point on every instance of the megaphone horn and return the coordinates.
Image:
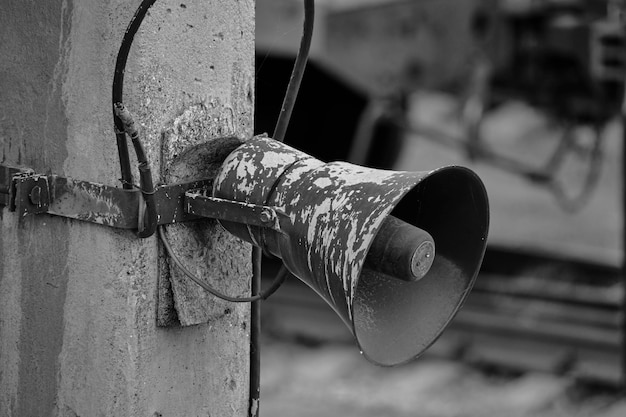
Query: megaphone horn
(394, 253)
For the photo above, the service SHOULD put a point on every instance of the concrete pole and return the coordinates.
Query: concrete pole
(78, 302)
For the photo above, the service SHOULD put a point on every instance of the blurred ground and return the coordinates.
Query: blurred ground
(332, 379)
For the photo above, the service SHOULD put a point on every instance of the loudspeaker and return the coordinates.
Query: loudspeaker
(393, 253)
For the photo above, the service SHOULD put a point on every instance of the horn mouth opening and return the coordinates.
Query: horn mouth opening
(395, 321)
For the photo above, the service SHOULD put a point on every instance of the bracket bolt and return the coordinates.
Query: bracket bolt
(266, 216)
(35, 195)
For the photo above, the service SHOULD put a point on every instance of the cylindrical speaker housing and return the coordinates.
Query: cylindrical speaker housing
(330, 216)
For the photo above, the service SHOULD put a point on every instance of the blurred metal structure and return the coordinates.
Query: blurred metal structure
(384, 47)
(564, 58)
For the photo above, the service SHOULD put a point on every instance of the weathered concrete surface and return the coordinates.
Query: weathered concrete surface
(181, 301)
(78, 333)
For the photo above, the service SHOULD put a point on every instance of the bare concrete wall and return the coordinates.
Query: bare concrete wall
(78, 334)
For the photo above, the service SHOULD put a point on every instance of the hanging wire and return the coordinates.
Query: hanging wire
(125, 124)
(260, 296)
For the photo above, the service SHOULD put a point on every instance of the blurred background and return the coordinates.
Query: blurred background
(529, 94)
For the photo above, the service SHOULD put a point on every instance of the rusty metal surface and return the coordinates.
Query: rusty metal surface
(6, 177)
(170, 201)
(334, 213)
(7, 185)
(29, 193)
(198, 203)
(32, 194)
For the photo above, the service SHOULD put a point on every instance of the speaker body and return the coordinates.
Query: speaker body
(331, 214)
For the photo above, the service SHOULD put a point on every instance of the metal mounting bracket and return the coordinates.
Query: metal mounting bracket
(25, 192)
(200, 204)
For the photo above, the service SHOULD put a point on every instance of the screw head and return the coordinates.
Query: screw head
(266, 216)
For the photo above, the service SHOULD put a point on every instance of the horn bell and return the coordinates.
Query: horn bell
(336, 216)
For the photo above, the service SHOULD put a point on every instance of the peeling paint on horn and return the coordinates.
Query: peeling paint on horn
(335, 216)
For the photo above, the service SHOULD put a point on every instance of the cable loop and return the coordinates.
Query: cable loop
(124, 125)
(263, 295)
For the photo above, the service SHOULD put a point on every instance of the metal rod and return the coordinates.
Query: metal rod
(255, 332)
(623, 300)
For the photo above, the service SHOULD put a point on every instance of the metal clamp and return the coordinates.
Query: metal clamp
(7, 184)
(26, 193)
(32, 194)
(198, 203)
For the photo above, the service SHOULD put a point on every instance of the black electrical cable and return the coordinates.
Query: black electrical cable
(146, 185)
(255, 331)
(298, 72)
(127, 126)
(124, 124)
(118, 88)
(149, 224)
(261, 296)
(572, 202)
(293, 87)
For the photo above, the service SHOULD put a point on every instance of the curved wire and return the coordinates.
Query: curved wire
(124, 124)
(146, 179)
(118, 88)
(298, 72)
(291, 94)
(280, 277)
